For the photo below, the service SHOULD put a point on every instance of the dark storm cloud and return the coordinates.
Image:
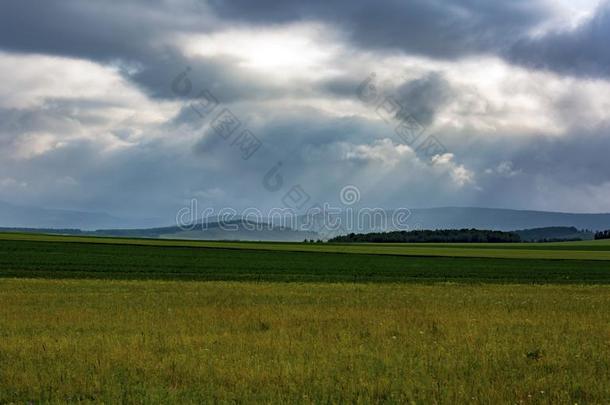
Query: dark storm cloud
(520, 171)
(289, 135)
(136, 36)
(72, 28)
(218, 76)
(439, 29)
(422, 97)
(95, 30)
(582, 51)
(136, 31)
(449, 29)
(321, 152)
(573, 160)
(132, 34)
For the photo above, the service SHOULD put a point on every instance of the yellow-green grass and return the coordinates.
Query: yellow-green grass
(168, 341)
(587, 250)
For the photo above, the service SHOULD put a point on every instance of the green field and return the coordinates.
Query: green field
(115, 320)
(52, 257)
(585, 250)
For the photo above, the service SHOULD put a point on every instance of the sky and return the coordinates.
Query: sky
(137, 107)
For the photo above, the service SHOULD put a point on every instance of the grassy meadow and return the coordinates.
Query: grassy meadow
(116, 320)
(169, 341)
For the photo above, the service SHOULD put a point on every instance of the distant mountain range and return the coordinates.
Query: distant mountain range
(503, 219)
(230, 230)
(21, 216)
(559, 225)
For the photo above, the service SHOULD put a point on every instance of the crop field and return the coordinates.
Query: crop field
(53, 257)
(585, 250)
(153, 321)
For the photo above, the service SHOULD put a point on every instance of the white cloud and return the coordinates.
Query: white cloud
(29, 145)
(504, 169)
(73, 99)
(460, 175)
(490, 97)
(295, 51)
(96, 123)
(383, 151)
(567, 14)
(9, 183)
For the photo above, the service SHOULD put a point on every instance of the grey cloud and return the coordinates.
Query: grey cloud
(157, 175)
(14, 122)
(133, 35)
(93, 30)
(422, 97)
(440, 29)
(549, 166)
(133, 32)
(583, 51)
(449, 29)
(218, 76)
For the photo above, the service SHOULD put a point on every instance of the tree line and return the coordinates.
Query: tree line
(602, 235)
(424, 236)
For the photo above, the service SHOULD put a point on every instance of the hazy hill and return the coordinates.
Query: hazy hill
(13, 216)
(232, 230)
(470, 218)
(503, 219)
(34, 217)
